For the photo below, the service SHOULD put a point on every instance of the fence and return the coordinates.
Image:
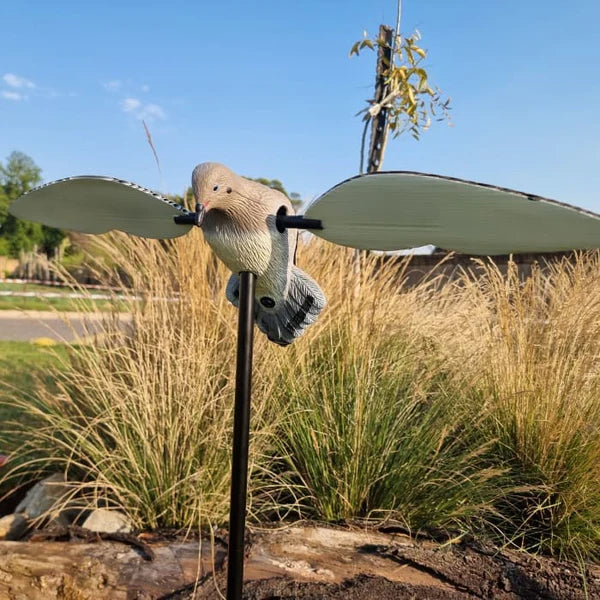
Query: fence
(449, 266)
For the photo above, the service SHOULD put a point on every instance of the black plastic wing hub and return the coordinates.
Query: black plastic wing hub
(192, 218)
(297, 222)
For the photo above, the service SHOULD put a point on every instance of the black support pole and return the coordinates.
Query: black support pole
(241, 434)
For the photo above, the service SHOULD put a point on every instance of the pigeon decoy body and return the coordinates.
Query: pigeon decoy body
(239, 223)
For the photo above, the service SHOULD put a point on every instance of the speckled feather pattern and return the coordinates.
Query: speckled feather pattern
(263, 251)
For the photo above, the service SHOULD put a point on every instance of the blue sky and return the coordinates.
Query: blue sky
(268, 89)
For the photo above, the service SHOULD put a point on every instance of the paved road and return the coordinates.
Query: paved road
(63, 327)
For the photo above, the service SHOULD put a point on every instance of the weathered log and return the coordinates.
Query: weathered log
(298, 562)
(106, 570)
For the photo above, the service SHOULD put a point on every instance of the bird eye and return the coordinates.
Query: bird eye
(215, 188)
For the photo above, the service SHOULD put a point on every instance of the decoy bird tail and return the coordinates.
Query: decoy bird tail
(304, 302)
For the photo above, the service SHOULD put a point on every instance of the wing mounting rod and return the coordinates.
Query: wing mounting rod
(192, 218)
(297, 222)
(282, 220)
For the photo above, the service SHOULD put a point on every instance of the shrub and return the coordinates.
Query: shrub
(469, 405)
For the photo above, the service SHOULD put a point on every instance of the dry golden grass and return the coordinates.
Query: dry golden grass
(144, 419)
(375, 425)
(531, 353)
(469, 405)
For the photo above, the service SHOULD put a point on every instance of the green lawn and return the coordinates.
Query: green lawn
(61, 304)
(58, 303)
(32, 287)
(21, 363)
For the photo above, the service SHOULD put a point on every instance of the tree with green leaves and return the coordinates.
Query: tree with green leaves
(275, 184)
(18, 175)
(408, 100)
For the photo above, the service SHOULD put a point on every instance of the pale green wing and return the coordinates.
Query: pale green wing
(395, 210)
(92, 204)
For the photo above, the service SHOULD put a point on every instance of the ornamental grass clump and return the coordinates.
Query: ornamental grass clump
(142, 417)
(531, 357)
(471, 405)
(374, 424)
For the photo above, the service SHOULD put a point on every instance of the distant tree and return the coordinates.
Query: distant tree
(17, 176)
(295, 199)
(275, 184)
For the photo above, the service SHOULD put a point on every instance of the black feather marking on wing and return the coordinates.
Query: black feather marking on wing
(299, 317)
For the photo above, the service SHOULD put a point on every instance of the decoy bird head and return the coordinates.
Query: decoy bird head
(225, 195)
(218, 188)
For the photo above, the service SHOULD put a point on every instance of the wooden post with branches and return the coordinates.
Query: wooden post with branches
(379, 128)
(404, 99)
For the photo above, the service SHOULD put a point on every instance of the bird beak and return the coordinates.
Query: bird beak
(199, 214)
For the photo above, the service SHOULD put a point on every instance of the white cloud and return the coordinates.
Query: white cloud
(131, 104)
(15, 81)
(151, 111)
(113, 86)
(148, 112)
(12, 95)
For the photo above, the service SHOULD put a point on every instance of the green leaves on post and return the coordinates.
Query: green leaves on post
(410, 100)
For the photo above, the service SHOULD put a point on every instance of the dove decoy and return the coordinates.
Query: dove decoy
(242, 221)
(252, 228)
(239, 222)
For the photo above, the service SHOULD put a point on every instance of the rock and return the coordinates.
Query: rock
(12, 527)
(107, 521)
(44, 496)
